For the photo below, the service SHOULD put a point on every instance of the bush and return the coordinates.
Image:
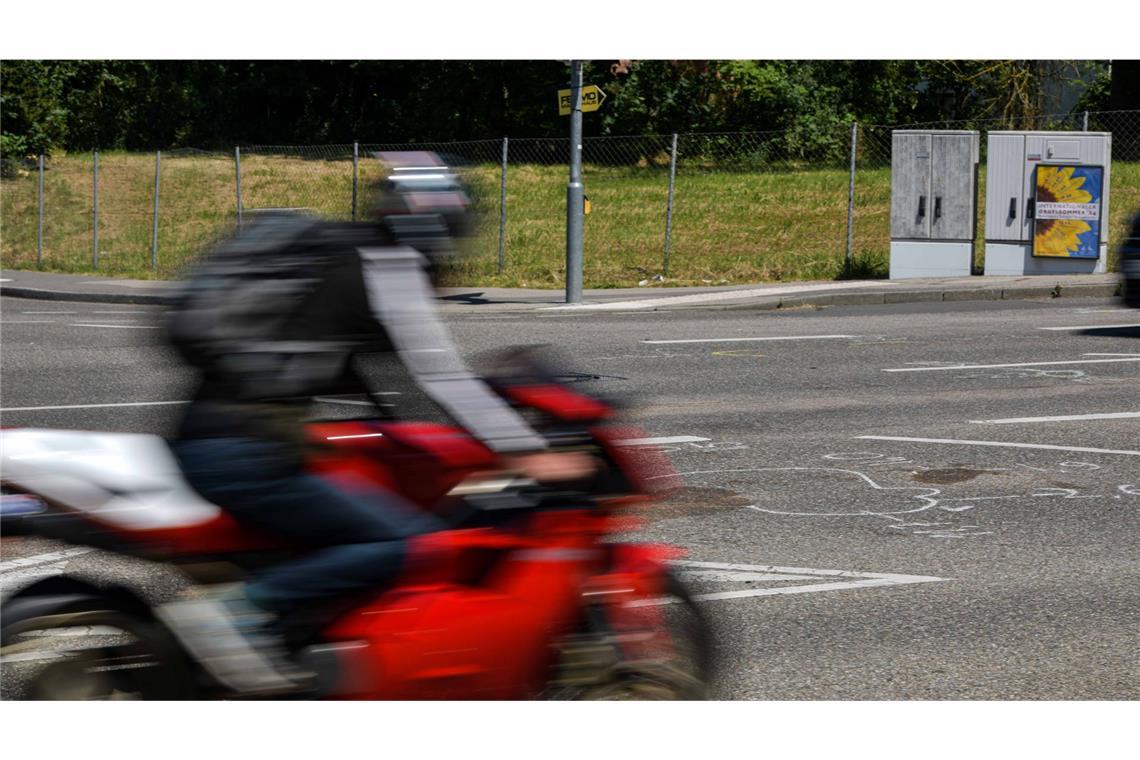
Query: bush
(12, 150)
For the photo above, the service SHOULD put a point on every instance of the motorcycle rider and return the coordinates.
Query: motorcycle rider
(275, 318)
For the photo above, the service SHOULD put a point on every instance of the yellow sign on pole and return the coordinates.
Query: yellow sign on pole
(592, 98)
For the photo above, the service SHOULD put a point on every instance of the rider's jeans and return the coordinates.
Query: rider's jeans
(358, 536)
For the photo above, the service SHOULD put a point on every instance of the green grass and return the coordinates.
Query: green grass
(728, 227)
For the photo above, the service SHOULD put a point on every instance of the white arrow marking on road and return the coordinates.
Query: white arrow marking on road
(656, 441)
(718, 571)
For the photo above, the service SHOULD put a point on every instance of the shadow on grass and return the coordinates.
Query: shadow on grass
(863, 269)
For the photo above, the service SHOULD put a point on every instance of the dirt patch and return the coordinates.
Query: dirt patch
(948, 475)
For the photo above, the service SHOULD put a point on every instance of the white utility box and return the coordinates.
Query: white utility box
(1047, 202)
(934, 190)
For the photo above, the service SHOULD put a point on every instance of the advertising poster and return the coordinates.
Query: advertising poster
(1067, 211)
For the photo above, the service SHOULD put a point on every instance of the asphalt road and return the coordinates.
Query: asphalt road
(852, 536)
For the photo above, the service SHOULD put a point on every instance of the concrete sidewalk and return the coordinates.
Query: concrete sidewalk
(475, 300)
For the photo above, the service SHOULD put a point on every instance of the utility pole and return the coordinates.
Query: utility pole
(575, 193)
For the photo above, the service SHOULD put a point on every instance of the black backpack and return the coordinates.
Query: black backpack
(247, 287)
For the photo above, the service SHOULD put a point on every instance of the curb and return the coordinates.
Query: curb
(864, 298)
(1110, 290)
(139, 299)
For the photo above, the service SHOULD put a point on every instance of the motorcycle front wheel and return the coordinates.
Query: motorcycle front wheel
(670, 659)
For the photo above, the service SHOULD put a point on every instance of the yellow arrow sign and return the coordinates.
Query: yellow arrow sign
(592, 98)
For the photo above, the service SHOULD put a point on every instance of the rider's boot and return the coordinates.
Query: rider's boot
(235, 641)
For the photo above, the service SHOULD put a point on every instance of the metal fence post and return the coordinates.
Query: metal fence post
(503, 210)
(95, 211)
(669, 205)
(355, 175)
(154, 232)
(40, 217)
(237, 175)
(1085, 121)
(848, 260)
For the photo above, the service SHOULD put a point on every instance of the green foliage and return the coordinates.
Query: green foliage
(12, 151)
(33, 103)
(147, 105)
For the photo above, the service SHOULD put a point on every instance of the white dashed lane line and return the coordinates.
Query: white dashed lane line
(121, 327)
(744, 340)
(1091, 327)
(999, 444)
(1060, 418)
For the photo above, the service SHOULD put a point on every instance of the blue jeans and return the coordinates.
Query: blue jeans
(358, 537)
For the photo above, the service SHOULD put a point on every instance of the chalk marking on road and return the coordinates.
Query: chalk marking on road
(1060, 418)
(121, 327)
(657, 441)
(741, 340)
(38, 559)
(729, 295)
(1132, 358)
(1090, 327)
(88, 406)
(999, 444)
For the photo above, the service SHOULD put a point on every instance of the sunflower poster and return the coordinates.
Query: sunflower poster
(1067, 211)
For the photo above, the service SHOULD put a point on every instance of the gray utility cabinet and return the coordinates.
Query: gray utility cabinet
(934, 189)
(1012, 162)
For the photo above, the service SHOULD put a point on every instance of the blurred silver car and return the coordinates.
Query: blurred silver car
(1130, 264)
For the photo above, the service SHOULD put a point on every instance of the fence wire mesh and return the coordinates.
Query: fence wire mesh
(745, 206)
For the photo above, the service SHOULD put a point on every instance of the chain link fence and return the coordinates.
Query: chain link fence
(709, 208)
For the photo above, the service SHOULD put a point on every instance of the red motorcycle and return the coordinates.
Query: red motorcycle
(526, 595)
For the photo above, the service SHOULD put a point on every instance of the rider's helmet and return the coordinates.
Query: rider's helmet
(422, 203)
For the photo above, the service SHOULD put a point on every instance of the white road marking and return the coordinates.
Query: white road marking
(1000, 444)
(121, 327)
(39, 559)
(1104, 354)
(656, 441)
(27, 321)
(736, 340)
(727, 295)
(1020, 364)
(88, 406)
(1090, 327)
(48, 312)
(1060, 418)
(717, 571)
